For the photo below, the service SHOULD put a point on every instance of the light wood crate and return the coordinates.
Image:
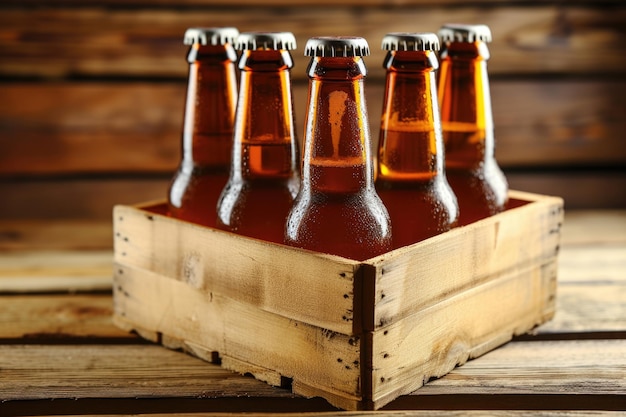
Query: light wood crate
(358, 334)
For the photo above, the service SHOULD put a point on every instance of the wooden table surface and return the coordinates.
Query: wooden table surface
(61, 354)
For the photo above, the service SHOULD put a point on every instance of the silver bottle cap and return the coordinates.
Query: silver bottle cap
(336, 46)
(210, 36)
(464, 33)
(266, 41)
(404, 41)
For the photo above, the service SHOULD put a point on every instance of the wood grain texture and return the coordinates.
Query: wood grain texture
(498, 375)
(519, 244)
(253, 272)
(91, 41)
(45, 318)
(594, 227)
(116, 371)
(127, 371)
(276, 346)
(55, 271)
(28, 238)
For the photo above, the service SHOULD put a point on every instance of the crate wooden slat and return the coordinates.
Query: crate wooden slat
(358, 334)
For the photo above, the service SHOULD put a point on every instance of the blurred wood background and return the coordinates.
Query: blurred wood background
(92, 91)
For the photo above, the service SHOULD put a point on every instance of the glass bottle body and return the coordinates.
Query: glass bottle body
(264, 176)
(337, 210)
(468, 131)
(207, 134)
(411, 174)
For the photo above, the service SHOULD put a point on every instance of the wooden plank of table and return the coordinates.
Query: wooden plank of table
(55, 271)
(91, 198)
(583, 309)
(32, 372)
(580, 188)
(117, 127)
(591, 367)
(594, 228)
(31, 237)
(550, 372)
(91, 41)
(591, 293)
(598, 264)
(60, 318)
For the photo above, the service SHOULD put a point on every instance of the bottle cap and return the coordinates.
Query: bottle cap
(210, 36)
(397, 41)
(465, 33)
(265, 40)
(337, 46)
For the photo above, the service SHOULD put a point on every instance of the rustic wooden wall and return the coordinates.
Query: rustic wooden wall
(92, 91)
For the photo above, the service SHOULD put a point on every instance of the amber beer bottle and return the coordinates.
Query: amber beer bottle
(207, 126)
(411, 177)
(337, 210)
(264, 173)
(467, 122)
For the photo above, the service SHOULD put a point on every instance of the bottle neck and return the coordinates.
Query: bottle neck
(410, 144)
(264, 140)
(465, 101)
(337, 141)
(210, 105)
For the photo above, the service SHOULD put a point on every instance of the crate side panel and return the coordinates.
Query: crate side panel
(314, 357)
(413, 278)
(432, 342)
(312, 288)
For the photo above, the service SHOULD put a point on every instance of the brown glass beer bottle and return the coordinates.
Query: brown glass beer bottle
(207, 127)
(337, 210)
(467, 122)
(264, 173)
(411, 177)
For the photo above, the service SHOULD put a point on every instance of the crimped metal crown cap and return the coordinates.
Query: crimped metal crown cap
(337, 46)
(265, 40)
(464, 33)
(210, 36)
(397, 41)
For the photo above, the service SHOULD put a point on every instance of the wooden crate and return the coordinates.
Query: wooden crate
(358, 334)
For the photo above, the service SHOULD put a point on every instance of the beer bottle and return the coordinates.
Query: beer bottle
(410, 169)
(337, 210)
(207, 127)
(264, 172)
(467, 122)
